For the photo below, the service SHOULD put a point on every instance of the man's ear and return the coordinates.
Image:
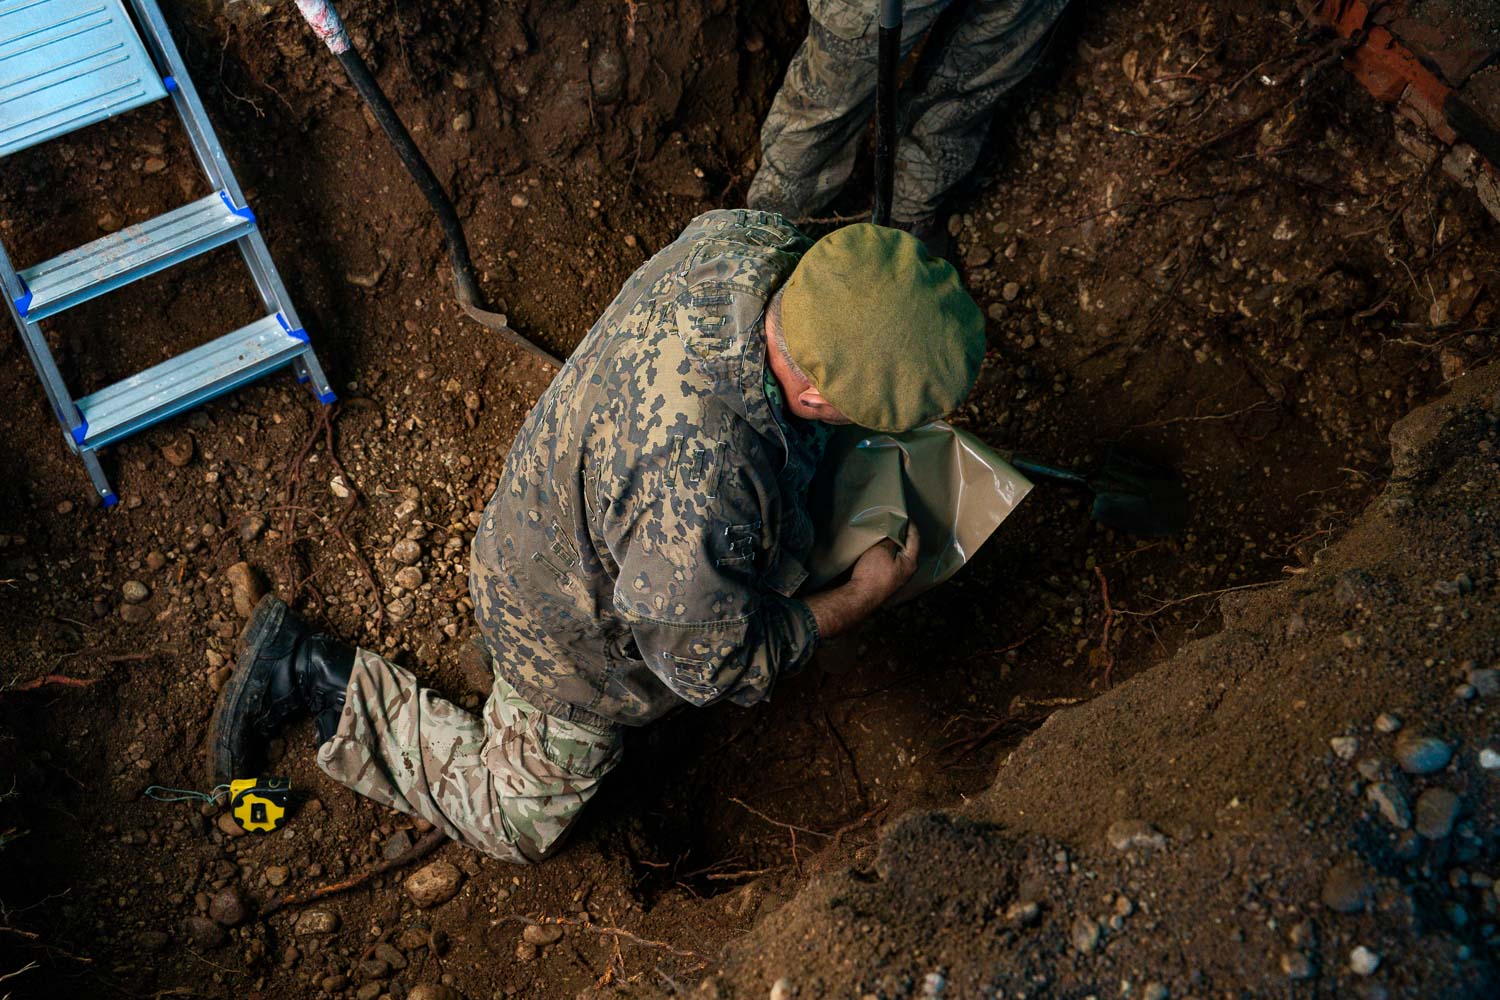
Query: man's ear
(811, 398)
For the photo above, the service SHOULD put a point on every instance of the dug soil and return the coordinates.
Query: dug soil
(1190, 239)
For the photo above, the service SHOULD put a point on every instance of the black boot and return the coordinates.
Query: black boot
(286, 670)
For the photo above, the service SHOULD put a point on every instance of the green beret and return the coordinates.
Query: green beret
(886, 333)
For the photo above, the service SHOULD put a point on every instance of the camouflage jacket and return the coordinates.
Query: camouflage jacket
(650, 527)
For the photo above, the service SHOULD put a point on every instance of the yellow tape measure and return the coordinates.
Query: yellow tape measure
(259, 805)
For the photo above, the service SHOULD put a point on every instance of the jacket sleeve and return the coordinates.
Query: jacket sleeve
(689, 587)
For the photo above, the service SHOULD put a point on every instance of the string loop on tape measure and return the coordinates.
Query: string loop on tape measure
(186, 794)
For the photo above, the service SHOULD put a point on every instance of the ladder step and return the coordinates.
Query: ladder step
(131, 253)
(65, 64)
(187, 380)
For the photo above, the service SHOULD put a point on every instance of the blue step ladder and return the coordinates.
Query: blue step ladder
(65, 64)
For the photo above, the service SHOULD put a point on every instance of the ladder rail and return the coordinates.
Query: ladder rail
(211, 158)
(35, 342)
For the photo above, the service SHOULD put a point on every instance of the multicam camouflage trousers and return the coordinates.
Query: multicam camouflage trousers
(508, 784)
(810, 137)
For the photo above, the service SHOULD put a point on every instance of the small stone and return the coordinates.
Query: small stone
(390, 955)
(276, 875)
(934, 985)
(340, 487)
(1437, 810)
(135, 591)
(1010, 291)
(1295, 965)
(434, 884)
(135, 614)
(396, 845)
(1486, 682)
(155, 560)
(227, 907)
(246, 588)
(1391, 802)
(781, 989)
(526, 951)
(372, 969)
(152, 941)
(1385, 722)
(369, 991)
(1344, 747)
(519, 201)
(1155, 991)
(409, 577)
(1489, 759)
(1465, 692)
(219, 678)
(153, 165)
(1347, 887)
(1023, 913)
(542, 935)
(412, 938)
(251, 525)
(179, 451)
(463, 121)
(407, 552)
(1420, 754)
(1085, 934)
(335, 984)
(1128, 834)
(1363, 961)
(203, 933)
(228, 827)
(316, 922)
(433, 991)
(979, 256)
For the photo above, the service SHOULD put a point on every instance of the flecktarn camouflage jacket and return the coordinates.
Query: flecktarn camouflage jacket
(648, 532)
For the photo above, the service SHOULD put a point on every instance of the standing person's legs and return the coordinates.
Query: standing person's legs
(508, 784)
(994, 44)
(810, 136)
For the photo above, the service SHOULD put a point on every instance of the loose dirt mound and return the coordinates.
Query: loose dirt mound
(1240, 820)
(1248, 279)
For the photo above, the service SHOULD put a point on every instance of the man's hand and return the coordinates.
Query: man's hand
(884, 568)
(877, 576)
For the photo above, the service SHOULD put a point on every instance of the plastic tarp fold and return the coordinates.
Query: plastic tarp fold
(869, 486)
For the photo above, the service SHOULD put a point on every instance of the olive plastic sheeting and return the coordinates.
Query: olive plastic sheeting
(870, 485)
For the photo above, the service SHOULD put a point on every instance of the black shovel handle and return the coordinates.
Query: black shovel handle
(327, 25)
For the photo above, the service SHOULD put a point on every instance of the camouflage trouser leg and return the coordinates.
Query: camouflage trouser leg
(508, 784)
(810, 136)
(990, 50)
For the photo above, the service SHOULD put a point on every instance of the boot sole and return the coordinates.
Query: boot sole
(229, 751)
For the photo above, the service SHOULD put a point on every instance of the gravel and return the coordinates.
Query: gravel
(1437, 809)
(316, 922)
(1126, 834)
(433, 884)
(1085, 934)
(228, 908)
(1421, 754)
(1363, 961)
(1391, 802)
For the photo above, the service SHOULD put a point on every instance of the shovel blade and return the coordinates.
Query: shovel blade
(1138, 497)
